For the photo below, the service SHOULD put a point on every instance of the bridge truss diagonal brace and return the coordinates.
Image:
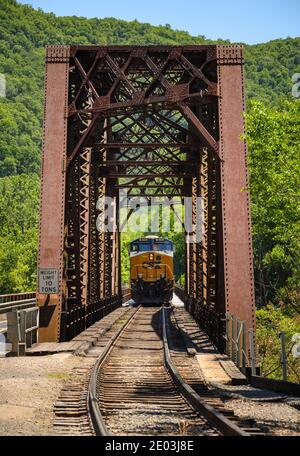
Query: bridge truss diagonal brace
(237, 241)
(51, 229)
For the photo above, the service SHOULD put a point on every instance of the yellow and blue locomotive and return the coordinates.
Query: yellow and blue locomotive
(151, 270)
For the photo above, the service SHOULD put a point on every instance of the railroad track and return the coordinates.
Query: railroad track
(191, 381)
(145, 383)
(71, 410)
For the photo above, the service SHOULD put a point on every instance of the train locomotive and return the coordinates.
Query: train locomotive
(151, 270)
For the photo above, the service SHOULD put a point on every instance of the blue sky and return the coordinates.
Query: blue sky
(252, 21)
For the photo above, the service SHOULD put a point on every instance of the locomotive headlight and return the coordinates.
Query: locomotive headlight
(151, 256)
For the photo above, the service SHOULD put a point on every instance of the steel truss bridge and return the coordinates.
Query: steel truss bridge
(156, 121)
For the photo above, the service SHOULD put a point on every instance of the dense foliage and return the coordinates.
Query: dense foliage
(274, 159)
(19, 201)
(274, 145)
(271, 321)
(273, 135)
(25, 31)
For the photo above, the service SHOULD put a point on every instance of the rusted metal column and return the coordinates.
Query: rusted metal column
(187, 266)
(220, 305)
(238, 267)
(118, 250)
(203, 252)
(51, 230)
(93, 288)
(200, 233)
(193, 258)
(102, 184)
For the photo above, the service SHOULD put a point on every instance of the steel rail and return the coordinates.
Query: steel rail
(93, 406)
(213, 416)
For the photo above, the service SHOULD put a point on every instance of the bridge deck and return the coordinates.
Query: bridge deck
(215, 366)
(83, 341)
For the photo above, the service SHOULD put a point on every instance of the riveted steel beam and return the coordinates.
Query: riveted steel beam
(52, 206)
(239, 296)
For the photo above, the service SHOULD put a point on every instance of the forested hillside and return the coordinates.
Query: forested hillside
(273, 135)
(24, 32)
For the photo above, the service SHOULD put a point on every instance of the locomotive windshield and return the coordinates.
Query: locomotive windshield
(141, 247)
(151, 244)
(163, 246)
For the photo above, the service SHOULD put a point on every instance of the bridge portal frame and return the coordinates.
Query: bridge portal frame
(233, 236)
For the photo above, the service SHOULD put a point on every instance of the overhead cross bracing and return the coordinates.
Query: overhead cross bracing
(150, 142)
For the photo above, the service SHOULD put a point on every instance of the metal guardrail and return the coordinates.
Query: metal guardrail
(227, 332)
(180, 292)
(22, 320)
(28, 326)
(17, 296)
(213, 323)
(22, 329)
(126, 293)
(17, 301)
(23, 316)
(236, 343)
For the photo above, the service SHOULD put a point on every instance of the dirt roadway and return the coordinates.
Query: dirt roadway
(28, 389)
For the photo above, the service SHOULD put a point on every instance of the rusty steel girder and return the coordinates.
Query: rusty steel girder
(156, 121)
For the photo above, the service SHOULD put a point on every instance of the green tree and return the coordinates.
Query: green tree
(19, 200)
(274, 145)
(271, 321)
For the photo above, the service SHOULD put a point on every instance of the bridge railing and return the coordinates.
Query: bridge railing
(236, 343)
(22, 315)
(213, 323)
(228, 333)
(126, 293)
(22, 329)
(15, 301)
(235, 338)
(180, 293)
(77, 318)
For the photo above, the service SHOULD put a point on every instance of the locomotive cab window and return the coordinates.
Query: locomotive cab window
(163, 246)
(144, 246)
(141, 247)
